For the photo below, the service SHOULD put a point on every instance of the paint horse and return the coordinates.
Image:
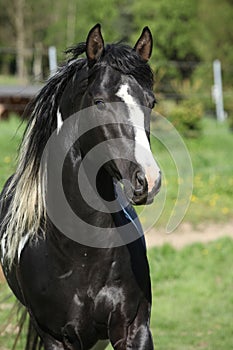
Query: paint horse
(80, 269)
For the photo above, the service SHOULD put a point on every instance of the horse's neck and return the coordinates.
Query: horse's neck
(82, 196)
(75, 219)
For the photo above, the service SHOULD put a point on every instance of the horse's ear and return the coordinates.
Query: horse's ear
(94, 44)
(144, 44)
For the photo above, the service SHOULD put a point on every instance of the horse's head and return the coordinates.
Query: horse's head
(117, 103)
(120, 93)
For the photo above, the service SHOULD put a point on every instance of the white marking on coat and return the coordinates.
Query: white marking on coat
(22, 244)
(59, 121)
(67, 274)
(3, 247)
(77, 301)
(142, 152)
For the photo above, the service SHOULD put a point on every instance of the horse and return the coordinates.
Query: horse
(80, 269)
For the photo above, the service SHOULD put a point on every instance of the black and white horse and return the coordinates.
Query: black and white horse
(81, 270)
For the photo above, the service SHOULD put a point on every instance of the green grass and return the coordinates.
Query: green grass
(213, 170)
(212, 165)
(10, 80)
(9, 317)
(10, 137)
(192, 298)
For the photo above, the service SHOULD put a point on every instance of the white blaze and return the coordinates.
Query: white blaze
(142, 152)
(59, 121)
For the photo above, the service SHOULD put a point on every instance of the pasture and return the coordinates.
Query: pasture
(192, 288)
(10, 136)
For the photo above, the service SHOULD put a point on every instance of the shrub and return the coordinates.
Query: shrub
(228, 107)
(187, 118)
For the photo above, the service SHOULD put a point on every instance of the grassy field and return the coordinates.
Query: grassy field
(212, 165)
(193, 302)
(192, 298)
(10, 80)
(10, 135)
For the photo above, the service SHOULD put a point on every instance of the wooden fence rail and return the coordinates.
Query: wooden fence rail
(14, 99)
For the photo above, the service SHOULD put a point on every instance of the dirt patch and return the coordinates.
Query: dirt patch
(185, 234)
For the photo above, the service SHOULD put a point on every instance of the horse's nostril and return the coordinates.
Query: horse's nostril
(140, 183)
(140, 177)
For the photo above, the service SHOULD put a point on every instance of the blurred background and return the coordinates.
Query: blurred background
(188, 37)
(193, 65)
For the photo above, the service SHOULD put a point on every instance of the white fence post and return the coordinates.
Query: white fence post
(52, 60)
(217, 91)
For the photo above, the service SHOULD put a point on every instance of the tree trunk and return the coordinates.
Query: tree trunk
(37, 62)
(71, 19)
(20, 38)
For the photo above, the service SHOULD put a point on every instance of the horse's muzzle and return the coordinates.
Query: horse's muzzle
(138, 193)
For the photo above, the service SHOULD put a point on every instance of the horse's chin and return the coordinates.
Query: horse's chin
(143, 199)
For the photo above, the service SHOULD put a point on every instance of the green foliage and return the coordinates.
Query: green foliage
(172, 23)
(201, 84)
(188, 35)
(186, 117)
(228, 107)
(215, 36)
(74, 19)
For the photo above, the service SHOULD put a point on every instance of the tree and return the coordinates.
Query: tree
(173, 24)
(215, 39)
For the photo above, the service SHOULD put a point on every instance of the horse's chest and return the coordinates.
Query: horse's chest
(104, 294)
(86, 292)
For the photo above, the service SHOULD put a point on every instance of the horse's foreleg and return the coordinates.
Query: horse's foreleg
(136, 336)
(51, 344)
(140, 340)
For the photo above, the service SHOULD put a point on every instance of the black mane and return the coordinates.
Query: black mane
(122, 58)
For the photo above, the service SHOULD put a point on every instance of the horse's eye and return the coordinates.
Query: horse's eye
(153, 103)
(150, 99)
(100, 104)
